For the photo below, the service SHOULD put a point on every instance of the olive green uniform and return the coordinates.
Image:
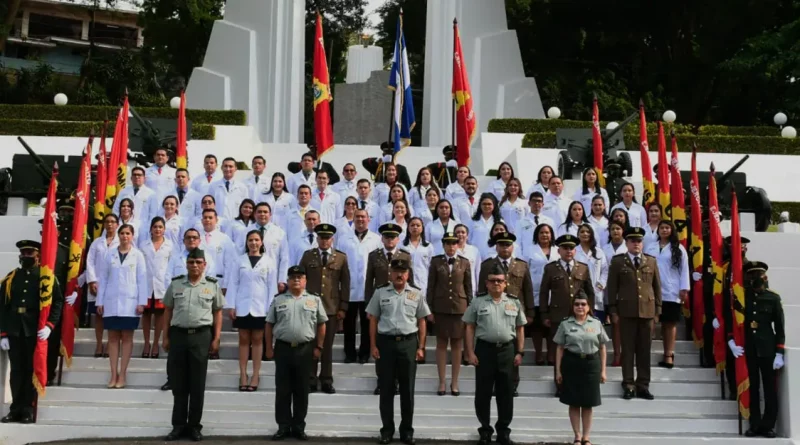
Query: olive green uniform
(295, 321)
(19, 322)
(397, 314)
(580, 364)
(190, 335)
(496, 325)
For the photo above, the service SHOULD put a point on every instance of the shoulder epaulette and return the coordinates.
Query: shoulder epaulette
(438, 256)
(565, 318)
(314, 294)
(512, 296)
(581, 262)
(487, 260)
(414, 287)
(404, 251)
(462, 257)
(552, 264)
(619, 255)
(378, 250)
(339, 251)
(520, 260)
(179, 277)
(776, 294)
(211, 279)
(647, 254)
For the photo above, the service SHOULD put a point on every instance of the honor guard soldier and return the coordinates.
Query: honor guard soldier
(378, 271)
(19, 319)
(294, 167)
(561, 281)
(495, 340)
(444, 173)
(193, 305)
(634, 301)
(377, 166)
(518, 279)
(328, 276)
(397, 337)
(296, 319)
(763, 346)
(66, 212)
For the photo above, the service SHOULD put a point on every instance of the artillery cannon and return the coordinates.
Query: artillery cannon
(577, 151)
(148, 135)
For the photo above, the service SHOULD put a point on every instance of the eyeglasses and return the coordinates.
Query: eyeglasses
(191, 237)
(579, 304)
(497, 281)
(137, 174)
(349, 170)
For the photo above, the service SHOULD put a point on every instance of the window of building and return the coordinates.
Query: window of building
(41, 26)
(116, 35)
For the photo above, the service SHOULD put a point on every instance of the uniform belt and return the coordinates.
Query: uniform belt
(496, 344)
(21, 310)
(580, 355)
(292, 344)
(399, 337)
(190, 331)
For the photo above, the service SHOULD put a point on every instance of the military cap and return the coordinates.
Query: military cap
(325, 230)
(567, 240)
(634, 232)
(753, 266)
(449, 149)
(390, 230)
(399, 264)
(449, 237)
(28, 244)
(504, 237)
(580, 295)
(729, 239)
(387, 146)
(197, 254)
(297, 270)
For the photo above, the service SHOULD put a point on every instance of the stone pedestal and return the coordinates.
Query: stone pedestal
(362, 61)
(361, 111)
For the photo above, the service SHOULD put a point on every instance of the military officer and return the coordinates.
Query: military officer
(328, 276)
(518, 280)
(378, 271)
(193, 313)
(19, 319)
(397, 334)
(495, 339)
(444, 173)
(296, 319)
(763, 346)
(377, 166)
(634, 301)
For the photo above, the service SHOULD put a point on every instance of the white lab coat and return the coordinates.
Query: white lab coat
(300, 243)
(189, 209)
(562, 229)
(480, 234)
(220, 248)
(256, 188)
(650, 239)
(556, 207)
(637, 216)
(513, 213)
(455, 191)
(177, 266)
(420, 262)
(610, 252)
(145, 205)
(416, 197)
(330, 208)
(345, 188)
(475, 258)
(296, 180)
(294, 220)
(122, 286)
(498, 187)
(282, 206)
(536, 262)
(387, 213)
(251, 289)
(228, 200)
(276, 245)
(526, 229)
(173, 230)
(586, 199)
(600, 227)
(343, 227)
(380, 194)
(673, 280)
(536, 187)
(237, 232)
(136, 224)
(157, 261)
(160, 182)
(202, 184)
(435, 231)
(464, 210)
(95, 256)
(598, 272)
(357, 258)
(223, 225)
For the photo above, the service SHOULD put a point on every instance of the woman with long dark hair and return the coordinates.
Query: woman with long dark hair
(616, 245)
(575, 217)
(455, 190)
(513, 207)
(344, 224)
(416, 196)
(505, 172)
(592, 255)
(432, 197)
(397, 193)
(637, 216)
(401, 213)
(173, 223)
(485, 217)
(621, 216)
(420, 249)
(651, 229)
(542, 182)
(157, 251)
(244, 221)
(599, 220)
(442, 223)
(279, 199)
(126, 208)
(542, 252)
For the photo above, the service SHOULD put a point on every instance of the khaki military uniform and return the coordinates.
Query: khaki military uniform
(449, 294)
(331, 281)
(378, 270)
(581, 363)
(559, 289)
(518, 282)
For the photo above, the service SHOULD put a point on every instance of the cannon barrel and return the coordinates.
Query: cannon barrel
(610, 134)
(723, 180)
(40, 166)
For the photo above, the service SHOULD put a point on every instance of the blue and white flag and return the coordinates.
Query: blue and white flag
(400, 83)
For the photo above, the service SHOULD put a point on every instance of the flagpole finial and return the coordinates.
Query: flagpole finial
(126, 91)
(55, 167)
(594, 96)
(641, 103)
(455, 21)
(694, 147)
(712, 167)
(401, 11)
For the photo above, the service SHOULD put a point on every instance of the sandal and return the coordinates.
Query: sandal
(586, 442)
(146, 351)
(251, 387)
(154, 354)
(243, 388)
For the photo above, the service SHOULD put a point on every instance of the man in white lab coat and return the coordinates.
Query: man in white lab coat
(229, 192)
(160, 177)
(145, 205)
(217, 246)
(347, 187)
(306, 175)
(307, 239)
(257, 183)
(556, 203)
(326, 200)
(202, 184)
(188, 199)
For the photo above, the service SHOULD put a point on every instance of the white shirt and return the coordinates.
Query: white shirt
(282, 206)
(228, 199)
(276, 245)
(251, 288)
(381, 192)
(650, 239)
(673, 279)
(474, 256)
(498, 187)
(418, 204)
(220, 248)
(536, 262)
(513, 213)
(223, 225)
(295, 219)
(300, 243)
(298, 179)
(536, 187)
(157, 261)
(420, 262)
(159, 182)
(586, 199)
(435, 231)
(480, 234)
(598, 272)
(455, 191)
(145, 205)
(345, 188)
(562, 229)
(237, 232)
(330, 208)
(97, 254)
(526, 229)
(357, 252)
(463, 209)
(174, 230)
(600, 227)
(637, 216)
(610, 252)
(121, 286)
(256, 188)
(556, 207)
(202, 184)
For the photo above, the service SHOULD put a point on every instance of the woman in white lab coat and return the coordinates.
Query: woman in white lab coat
(616, 245)
(469, 252)
(94, 258)
(416, 196)
(505, 172)
(420, 249)
(344, 224)
(401, 213)
(244, 221)
(397, 193)
(542, 252)
(589, 189)
(487, 215)
(542, 181)
(280, 200)
(443, 222)
(122, 295)
(427, 214)
(126, 207)
(651, 228)
(157, 251)
(513, 207)
(673, 268)
(252, 283)
(381, 192)
(575, 217)
(637, 216)
(455, 190)
(173, 223)
(589, 253)
(599, 220)
(621, 216)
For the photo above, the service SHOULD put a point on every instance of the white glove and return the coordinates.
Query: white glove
(451, 163)
(71, 298)
(737, 351)
(715, 323)
(387, 158)
(44, 333)
(697, 276)
(4, 346)
(777, 364)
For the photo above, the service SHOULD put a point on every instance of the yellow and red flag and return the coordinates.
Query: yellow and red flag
(715, 238)
(597, 144)
(649, 193)
(737, 309)
(117, 162)
(77, 247)
(323, 130)
(100, 186)
(678, 199)
(663, 176)
(47, 264)
(121, 133)
(696, 255)
(466, 122)
(180, 142)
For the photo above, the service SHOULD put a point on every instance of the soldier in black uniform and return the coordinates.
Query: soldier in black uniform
(445, 172)
(376, 166)
(19, 319)
(333, 177)
(66, 211)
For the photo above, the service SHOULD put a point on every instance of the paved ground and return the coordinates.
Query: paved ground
(246, 441)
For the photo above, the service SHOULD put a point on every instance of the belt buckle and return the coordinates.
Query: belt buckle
(191, 331)
(583, 355)
(499, 344)
(22, 310)
(293, 344)
(398, 338)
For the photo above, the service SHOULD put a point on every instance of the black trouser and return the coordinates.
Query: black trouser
(187, 365)
(357, 309)
(53, 351)
(326, 358)
(292, 364)
(730, 371)
(762, 366)
(397, 364)
(494, 372)
(20, 354)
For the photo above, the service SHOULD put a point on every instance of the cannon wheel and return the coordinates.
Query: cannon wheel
(564, 165)
(625, 163)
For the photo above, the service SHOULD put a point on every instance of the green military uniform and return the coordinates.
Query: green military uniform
(294, 322)
(190, 335)
(580, 365)
(19, 319)
(496, 323)
(397, 315)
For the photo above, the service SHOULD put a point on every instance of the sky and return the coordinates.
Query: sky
(372, 16)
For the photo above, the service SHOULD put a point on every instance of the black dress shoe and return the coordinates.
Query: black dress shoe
(505, 440)
(10, 418)
(328, 388)
(408, 440)
(349, 360)
(485, 439)
(385, 439)
(281, 434)
(516, 391)
(166, 386)
(51, 382)
(195, 435)
(363, 360)
(299, 435)
(175, 434)
(645, 394)
(769, 433)
(628, 394)
(377, 391)
(26, 418)
(752, 432)
(312, 389)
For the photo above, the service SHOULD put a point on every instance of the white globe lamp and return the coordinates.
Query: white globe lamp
(669, 116)
(60, 99)
(554, 113)
(175, 102)
(780, 119)
(789, 132)
(611, 125)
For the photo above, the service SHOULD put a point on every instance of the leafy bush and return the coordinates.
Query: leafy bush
(19, 127)
(550, 125)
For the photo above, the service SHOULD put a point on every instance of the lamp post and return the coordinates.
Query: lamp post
(611, 125)
(789, 132)
(60, 99)
(780, 119)
(175, 102)
(553, 113)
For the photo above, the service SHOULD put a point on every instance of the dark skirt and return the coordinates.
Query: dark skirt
(250, 322)
(581, 380)
(120, 323)
(670, 312)
(449, 326)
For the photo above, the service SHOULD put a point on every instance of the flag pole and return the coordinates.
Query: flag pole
(453, 122)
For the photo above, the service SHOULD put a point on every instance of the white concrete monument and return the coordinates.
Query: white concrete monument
(362, 61)
(255, 62)
(499, 86)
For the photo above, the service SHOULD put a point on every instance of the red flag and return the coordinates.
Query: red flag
(118, 158)
(715, 238)
(100, 186)
(323, 130)
(121, 133)
(696, 255)
(180, 143)
(77, 246)
(663, 176)
(47, 264)
(737, 309)
(647, 170)
(676, 193)
(466, 123)
(597, 144)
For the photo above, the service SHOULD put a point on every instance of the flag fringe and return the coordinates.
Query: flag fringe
(40, 389)
(720, 367)
(743, 387)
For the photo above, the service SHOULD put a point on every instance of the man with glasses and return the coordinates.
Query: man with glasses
(144, 198)
(634, 301)
(556, 202)
(228, 191)
(532, 220)
(306, 176)
(160, 177)
(495, 340)
(348, 186)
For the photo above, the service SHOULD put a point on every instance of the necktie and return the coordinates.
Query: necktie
(227, 186)
(636, 262)
(262, 230)
(310, 238)
(389, 257)
(208, 238)
(536, 219)
(324, 257)
(135, 191)
(303, 213)
(159, 170)
(181, 194)
(321, 196)
(363, 205)
(569, 270)
(505, 266)
(208, 178)
(256, 178)
(472, 200)
(451, 261)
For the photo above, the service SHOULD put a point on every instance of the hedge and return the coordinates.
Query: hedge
(550, 125)
(722, 130)
(774, 145)
(93, 113)
(19, 127)
(792, 207)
